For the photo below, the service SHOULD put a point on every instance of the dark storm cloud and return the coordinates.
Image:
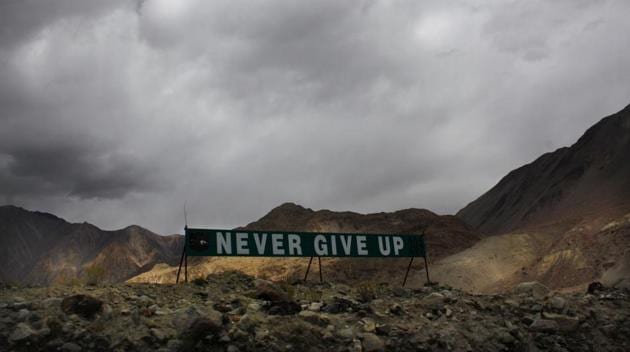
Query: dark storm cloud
(234, 107)
(73, 168)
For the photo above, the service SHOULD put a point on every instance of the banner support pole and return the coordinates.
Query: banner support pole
(308, 268)
(184, 259)
(181, 262)
(426, 268)
(319, 259)
(407, 272)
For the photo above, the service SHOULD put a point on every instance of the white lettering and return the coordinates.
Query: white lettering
(346, 243)
(321, 248)
(294, 245)
(333, 245)
(260, 242)
(361, 245)
(276, 244)
(241, 243)
(398, 244)
(224, 243)
(383, 245)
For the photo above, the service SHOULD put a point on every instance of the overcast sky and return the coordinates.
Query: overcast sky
(118, 113)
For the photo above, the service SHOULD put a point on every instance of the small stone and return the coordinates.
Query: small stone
(199, 329)
(22, 332)
(368, 325)
(314, 318)
(158, 334)
(396, 309)
(505, 338)
(232, 348)
(70, 347)
(327, 335)
(51, 302)
(448, 313)
(372, 343)
(383, 329)
(144, 301)
(558, 303)
(254, 307)
(347, 333)
(595, 287)
(267, 291)
(315, 306)
(544, 325)
(565, 323)
(433, 300)
(23, 314)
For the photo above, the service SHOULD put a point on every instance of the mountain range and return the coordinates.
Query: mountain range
(41, 248)
(563, 219)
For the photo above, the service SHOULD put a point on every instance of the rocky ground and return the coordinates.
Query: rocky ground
(234, 312)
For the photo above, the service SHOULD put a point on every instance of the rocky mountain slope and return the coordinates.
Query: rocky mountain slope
(445, 235)
(588, 180)
(233, 312)
(563, 220)
(42, 248)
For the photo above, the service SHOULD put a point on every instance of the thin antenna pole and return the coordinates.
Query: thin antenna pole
(185, 216)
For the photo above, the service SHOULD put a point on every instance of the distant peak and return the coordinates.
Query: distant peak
(284, 207)
(134, 228)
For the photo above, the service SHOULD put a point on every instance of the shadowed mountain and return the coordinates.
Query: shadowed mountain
(445, 234)
(563, 219)
(41, 248)
(588, 180)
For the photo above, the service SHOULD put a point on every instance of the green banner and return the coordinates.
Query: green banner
(206, 242)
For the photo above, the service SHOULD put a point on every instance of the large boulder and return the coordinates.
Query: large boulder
(82, 305)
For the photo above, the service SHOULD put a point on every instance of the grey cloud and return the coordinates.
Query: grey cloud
(70, 168)
(234, 107)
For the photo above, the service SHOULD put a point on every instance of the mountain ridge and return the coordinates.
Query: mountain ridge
(42, 248)
(561, 184)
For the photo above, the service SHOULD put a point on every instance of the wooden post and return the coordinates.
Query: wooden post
(319, 259)
(308, 268)
(407, 273)
(186, 268)
(181, 262)
(426, 268)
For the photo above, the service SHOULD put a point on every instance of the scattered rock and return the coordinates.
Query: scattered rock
(437, 318)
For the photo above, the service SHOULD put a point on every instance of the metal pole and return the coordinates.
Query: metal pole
(426, 268)
(181, 261)
(186, 268)
(308, 268)
(319, 259)
(407, 273)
